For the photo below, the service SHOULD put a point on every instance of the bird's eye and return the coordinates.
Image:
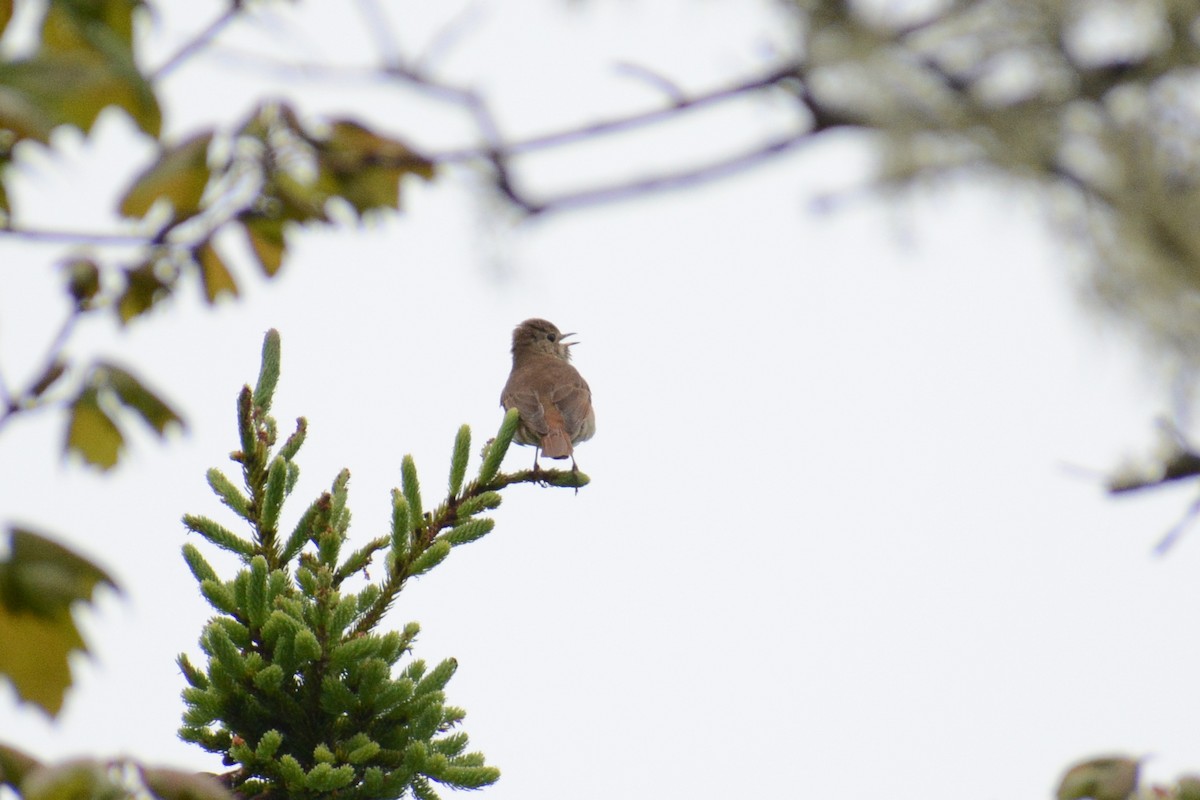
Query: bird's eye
(550, 336)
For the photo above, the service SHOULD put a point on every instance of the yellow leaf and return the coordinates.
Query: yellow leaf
(266, 240)
(73, 87)
(43, 578)
(91, 432)
(143, 288)
(368, 188)
(102, 26)
(300, 202)
(169, 784)
(15, 765)
(365, 168)
(23, 117)
(363, 147)
(1106, 778)
(83, 280)
(134, 395)
(216, 276)
(179, 176)
(33, 655)
(40, 580)
(79, 779)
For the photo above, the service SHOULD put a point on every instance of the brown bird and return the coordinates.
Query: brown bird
(553, 398)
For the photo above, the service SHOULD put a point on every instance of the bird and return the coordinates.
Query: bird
(554, 400)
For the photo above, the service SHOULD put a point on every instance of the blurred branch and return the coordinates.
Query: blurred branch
(1177, 530)
(786, 73)
(51, 370)
(498, 152)
(198, 42)
(67, 236)
(678, 180)
(1179, 466)
(652, 78)
(377, 26)
(449, 34)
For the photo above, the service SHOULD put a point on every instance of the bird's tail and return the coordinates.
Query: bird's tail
(556, 444)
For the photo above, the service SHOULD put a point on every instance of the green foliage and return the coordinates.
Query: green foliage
(108, 390)
(40, 581)
(264, 175)
(300, 686)
(495, 450)
(1105, 778)
(458, 462)
(1090, 122)
(303, 172)
(84, 778)
(177, 177)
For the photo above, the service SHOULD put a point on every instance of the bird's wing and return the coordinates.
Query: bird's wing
(574, 401)
(533, 414)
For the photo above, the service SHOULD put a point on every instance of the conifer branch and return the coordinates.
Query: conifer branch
(298, 687)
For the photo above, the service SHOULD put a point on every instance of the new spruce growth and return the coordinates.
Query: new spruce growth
(300, 688)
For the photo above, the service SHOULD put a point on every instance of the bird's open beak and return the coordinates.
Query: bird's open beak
(563, 339)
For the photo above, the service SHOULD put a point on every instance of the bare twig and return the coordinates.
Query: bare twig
(448, 35)
(417, 78)
(652, 78)
(196, 43)
(66, 236)
(6, 400)
(641, 119)
(659, 183)
(51, 368)
(498, 152)
(1177, 530)
(378, 27)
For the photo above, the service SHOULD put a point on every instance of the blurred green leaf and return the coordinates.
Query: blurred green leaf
(179, 176)
(365, 168)
(40, 581)
(22, 116)
(169, 784)
(1187, 788)
(43, 578)
(72, 88)
(92, 433)
(15, 765)
(143, 288)
(83, 280)
(33, 655)
(217, 278)
(100, 26)
(266, 239)
(6, 12)
(134, 395)
(298, 201)
(1106, 778)
(73, 780)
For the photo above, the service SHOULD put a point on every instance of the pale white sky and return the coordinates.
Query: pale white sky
(832, 546)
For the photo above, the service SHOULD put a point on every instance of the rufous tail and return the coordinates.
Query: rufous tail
(556, 444)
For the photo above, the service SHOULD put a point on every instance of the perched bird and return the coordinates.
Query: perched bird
(553, 398)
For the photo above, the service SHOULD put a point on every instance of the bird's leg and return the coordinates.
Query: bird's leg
(536, 450)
